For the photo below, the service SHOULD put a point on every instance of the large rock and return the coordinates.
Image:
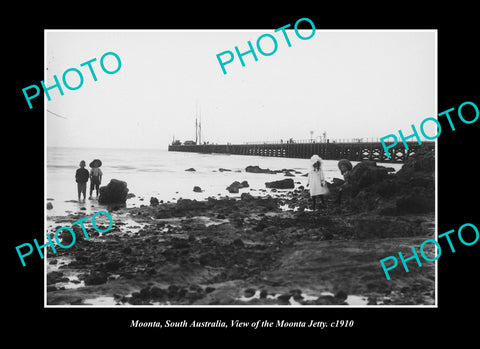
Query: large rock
(367, 173)
(114, 192)
(281, 184)
(257, 169)
(410, 191)
(422, 161)
(235, 186)
(416, 183)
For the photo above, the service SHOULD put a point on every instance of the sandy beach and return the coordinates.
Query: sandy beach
(257, 250)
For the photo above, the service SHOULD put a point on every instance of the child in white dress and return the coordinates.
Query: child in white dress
(316, 181)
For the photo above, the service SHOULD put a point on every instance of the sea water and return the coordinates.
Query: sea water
(161, 174)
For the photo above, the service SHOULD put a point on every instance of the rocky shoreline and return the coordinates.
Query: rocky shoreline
(269, 250)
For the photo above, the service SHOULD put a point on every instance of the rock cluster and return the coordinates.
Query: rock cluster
(217, 251)
(409, 191)
(257, 169)
(114, 192)
(235, 186)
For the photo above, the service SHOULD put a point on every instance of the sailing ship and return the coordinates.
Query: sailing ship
(198, 132)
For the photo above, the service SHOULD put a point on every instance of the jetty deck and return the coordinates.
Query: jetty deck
(354, 151)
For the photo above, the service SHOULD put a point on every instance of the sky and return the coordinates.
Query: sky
(349, 84)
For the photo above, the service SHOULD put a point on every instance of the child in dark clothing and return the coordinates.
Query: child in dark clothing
(95, 179)
(345, 168)
(81, 177)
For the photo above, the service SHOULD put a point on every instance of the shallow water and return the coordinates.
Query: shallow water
(101, 300)
(351, 299)
(161, 174)
(74, 282)
(356, 300)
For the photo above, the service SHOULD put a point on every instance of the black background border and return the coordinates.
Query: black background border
(457, 83)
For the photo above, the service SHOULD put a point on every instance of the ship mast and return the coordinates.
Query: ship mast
(196, 131)
(200, 129)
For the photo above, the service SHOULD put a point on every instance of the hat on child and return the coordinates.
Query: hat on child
(315, 158)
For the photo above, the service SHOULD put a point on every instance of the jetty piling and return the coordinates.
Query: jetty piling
(353, 151)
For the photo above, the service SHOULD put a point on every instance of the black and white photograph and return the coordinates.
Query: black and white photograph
(266, 185)
(219, 174)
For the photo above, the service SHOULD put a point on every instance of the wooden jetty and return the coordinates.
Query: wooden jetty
(354, 151)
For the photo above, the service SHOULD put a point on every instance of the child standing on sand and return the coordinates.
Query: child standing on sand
(316, 181)
(81, 177)
(95, 177)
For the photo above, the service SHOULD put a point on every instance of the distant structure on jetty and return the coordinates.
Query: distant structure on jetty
(354, 150)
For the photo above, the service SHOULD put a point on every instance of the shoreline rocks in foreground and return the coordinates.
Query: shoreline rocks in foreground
(250, 251)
